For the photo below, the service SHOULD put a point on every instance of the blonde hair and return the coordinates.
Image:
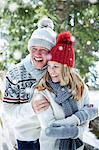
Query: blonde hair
(68, 77)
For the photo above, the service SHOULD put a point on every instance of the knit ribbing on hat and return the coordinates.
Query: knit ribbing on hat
(44, 36)
(63, 51)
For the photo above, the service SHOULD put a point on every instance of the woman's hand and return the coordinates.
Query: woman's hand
(60, 131)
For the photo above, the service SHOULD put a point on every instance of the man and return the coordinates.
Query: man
(20, 82)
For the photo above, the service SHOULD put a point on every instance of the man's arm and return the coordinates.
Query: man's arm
(13, 105)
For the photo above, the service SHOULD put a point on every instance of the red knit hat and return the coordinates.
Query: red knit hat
(63, 51)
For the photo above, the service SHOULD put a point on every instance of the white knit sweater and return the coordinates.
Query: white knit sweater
(20, 81)
(55, 112)
(7, 137)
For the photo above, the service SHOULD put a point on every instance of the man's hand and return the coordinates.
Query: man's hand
(39, 103)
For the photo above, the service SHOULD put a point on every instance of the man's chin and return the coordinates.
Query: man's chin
(38, 66)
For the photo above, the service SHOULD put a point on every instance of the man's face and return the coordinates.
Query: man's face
(38, 56)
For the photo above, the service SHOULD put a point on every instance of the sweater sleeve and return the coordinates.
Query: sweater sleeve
(80, 117)
(13, 105)
(17, 111)
(46, 117)
(86, 112)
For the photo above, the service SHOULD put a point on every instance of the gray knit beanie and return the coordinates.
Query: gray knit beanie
(44, 35)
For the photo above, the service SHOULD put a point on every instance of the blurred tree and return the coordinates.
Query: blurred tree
(80, 18)
(18, 20)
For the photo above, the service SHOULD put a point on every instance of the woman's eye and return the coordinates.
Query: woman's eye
(53, 66)
(56, 66)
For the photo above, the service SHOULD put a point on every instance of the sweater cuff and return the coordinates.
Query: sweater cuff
(82, 115)
(76, 133)
(76, 118)
(80, 131)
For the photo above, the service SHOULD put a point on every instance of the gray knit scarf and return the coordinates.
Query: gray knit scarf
(69, 105)
(35, 73)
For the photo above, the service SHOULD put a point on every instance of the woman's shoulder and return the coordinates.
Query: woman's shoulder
(86, 90)
(47, 93)
(85, 96)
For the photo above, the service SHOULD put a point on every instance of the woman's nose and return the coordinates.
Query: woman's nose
(52, 69)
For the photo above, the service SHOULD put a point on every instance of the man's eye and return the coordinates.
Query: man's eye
(33, 49)
(43, 51)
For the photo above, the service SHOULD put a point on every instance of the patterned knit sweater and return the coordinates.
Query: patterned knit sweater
(20, 82)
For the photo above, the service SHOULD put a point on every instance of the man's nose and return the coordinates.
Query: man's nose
(38, 51)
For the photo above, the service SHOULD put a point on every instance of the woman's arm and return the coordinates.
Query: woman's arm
(47, 120)
(86, 111)
(46, 117)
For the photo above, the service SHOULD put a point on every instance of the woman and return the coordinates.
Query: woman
(7, 138)
(64, 122)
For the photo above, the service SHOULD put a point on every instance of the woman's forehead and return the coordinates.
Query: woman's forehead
(54, 63)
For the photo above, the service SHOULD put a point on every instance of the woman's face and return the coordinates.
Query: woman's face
(54, 70)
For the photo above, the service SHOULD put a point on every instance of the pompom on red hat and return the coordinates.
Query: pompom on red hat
(63, 51)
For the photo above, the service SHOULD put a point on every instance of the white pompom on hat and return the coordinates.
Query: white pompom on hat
(44, 35)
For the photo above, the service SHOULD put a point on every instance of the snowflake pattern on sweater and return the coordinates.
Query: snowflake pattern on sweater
(19, 85)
